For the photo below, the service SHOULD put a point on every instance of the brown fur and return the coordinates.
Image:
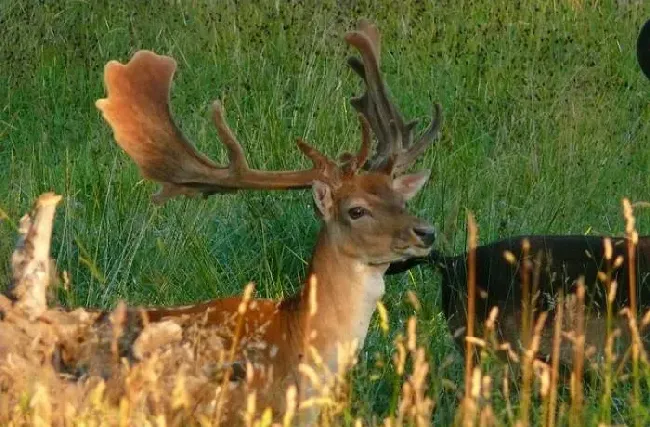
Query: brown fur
(345, 281)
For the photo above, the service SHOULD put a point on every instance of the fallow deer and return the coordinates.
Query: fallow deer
(558, 262)
(365, 225)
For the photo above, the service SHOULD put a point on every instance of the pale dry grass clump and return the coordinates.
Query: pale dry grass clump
(111, 368)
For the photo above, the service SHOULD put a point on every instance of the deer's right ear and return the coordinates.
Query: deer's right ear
(409, 185)
(323, 199)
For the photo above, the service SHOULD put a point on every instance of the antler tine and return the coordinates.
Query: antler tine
(364, 151)
(415, 150)
(395, 149)
(238, 163)
(137, 109)
(352, 163)
(330, 170)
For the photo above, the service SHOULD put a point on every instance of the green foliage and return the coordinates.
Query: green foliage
(547, 128)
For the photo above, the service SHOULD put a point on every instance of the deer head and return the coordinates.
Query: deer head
(367, 218)
(370, 209)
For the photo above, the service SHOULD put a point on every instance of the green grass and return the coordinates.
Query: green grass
(547, 128)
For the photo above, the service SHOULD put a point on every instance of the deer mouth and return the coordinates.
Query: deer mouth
(412, 251)
(401, 255)
(419, 250)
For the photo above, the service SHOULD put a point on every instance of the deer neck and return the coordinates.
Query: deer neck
(345, 291)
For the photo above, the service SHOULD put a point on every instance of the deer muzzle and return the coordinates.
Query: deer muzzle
(426, 234)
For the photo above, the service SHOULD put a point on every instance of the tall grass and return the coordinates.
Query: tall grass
(547, 124)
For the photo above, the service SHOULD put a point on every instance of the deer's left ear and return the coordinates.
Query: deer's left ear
(323, 199)
(409, 185)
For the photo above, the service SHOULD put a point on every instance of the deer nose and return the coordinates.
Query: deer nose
(426, 234)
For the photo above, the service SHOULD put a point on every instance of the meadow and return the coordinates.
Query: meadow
(547, 129)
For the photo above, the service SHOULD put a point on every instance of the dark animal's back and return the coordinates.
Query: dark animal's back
(562, 260)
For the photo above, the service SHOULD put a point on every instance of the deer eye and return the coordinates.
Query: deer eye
(357, 212)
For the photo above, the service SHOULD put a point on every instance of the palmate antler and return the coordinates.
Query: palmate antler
(396, 149)
(137, 108)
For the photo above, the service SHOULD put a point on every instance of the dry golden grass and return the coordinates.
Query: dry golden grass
(181, 372)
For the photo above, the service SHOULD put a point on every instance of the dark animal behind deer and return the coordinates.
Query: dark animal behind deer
(558, 262)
